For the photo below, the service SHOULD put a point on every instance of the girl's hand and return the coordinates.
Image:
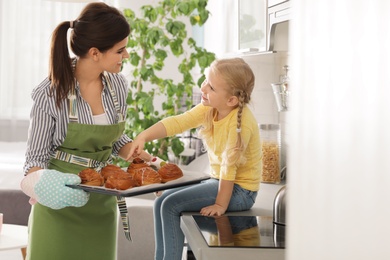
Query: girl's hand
(222, 201)
(137, 146)
(213, 210)
(154, 132)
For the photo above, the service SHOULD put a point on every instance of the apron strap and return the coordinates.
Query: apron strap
(114, 97)
(124, 216)
(73, 116)
(82, 161)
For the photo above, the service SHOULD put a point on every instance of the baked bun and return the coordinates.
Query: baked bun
(108, 170)
(142, 173)
(119, 180)
(170, 172)
(91, 177)
(137, 163)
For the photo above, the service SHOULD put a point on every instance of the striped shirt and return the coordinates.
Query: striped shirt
(48, 123)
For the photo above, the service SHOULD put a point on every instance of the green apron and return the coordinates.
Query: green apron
(78, 233)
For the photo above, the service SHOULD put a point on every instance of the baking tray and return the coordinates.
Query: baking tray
(189, 177)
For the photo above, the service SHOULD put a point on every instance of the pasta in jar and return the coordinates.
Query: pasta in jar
(271, 168)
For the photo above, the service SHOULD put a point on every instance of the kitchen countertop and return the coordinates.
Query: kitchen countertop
(262, 207)
(202, 251)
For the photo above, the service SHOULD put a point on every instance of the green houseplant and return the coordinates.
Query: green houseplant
(157, 33)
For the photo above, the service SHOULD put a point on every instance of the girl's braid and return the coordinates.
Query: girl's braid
(241, 102)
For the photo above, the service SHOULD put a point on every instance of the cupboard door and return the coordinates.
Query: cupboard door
(252, 25)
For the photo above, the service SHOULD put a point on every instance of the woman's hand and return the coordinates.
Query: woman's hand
(213, 210)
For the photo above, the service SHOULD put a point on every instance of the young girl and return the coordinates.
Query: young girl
(231, 135)
(77, 122)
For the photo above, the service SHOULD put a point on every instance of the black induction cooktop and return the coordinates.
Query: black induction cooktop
(241, 231)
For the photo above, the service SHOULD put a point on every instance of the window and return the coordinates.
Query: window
(25, 34)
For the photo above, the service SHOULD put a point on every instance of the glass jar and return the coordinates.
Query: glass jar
(271, 149)
(281, 91)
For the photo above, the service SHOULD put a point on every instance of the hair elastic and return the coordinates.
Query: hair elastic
(238, 130)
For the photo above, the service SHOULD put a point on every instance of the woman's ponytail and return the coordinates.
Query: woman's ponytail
(60, 64)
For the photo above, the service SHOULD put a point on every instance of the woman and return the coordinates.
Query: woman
(231, 135)
(77, 121)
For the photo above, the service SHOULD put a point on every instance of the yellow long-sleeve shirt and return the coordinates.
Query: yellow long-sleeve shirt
(246, 175)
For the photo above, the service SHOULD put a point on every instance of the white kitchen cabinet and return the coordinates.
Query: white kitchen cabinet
(252, 25)
(276, 2)
(258, 22)
(278, 12)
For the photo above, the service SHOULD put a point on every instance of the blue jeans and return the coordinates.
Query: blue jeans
(167, 211)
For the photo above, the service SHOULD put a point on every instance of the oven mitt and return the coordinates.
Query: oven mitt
(157, 162)
(48, 187)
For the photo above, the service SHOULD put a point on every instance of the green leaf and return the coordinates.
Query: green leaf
(128, 13)
(153, 35)
(203, 15)
(184, 8)
(160, 54)
(158, 65)
(203, 61)
(164, 41)
(175, 27)
(176, 47)
(134, 58)
(202, 4)
(201, 80)
(150, 13)
(177, 146)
